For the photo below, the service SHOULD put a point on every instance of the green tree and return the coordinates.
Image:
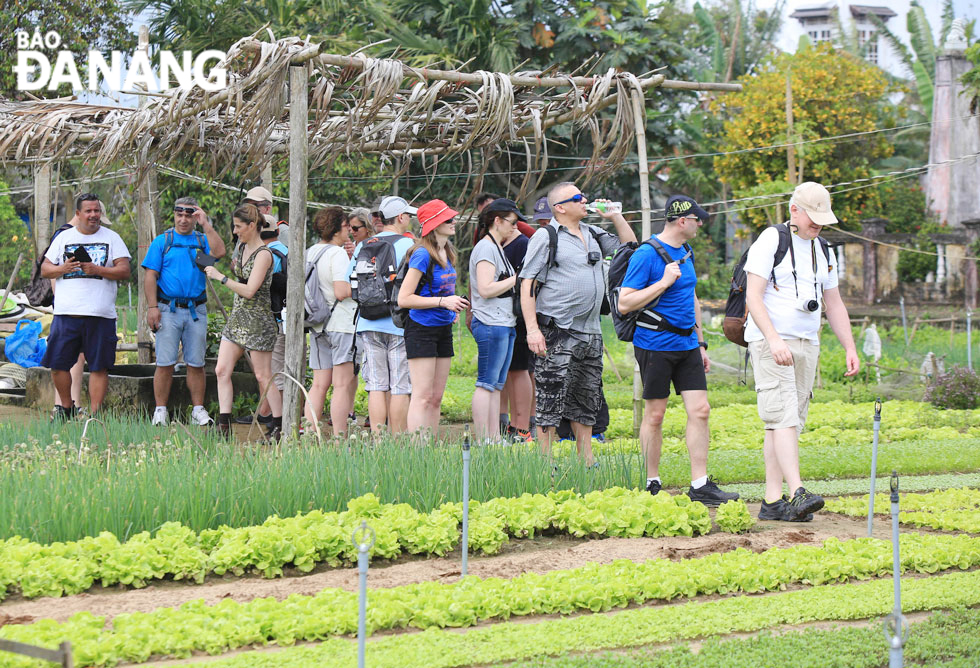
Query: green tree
(83, 25)
(16, 239)
(834, 93)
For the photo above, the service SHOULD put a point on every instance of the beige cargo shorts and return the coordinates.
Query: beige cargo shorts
(783, 392)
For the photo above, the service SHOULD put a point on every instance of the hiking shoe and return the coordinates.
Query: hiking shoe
(710, 494)
(62, 414)
(520, 436)
(654, 487)
(804, 503)
(781, 511)
(247, 419)
(599, 437)
(199, 416)
(160, 417)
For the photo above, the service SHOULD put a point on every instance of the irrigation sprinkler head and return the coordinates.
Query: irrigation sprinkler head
(878, 409)
(894, 486)
(896, 628)
(466, 437)
(367, 534)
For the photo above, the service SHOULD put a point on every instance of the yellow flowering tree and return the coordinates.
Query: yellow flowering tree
(834, 93)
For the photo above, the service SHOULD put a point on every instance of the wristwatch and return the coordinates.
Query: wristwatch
(703, 344)
(224, 280)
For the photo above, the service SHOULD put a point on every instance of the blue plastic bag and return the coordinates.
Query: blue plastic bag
(25, 346)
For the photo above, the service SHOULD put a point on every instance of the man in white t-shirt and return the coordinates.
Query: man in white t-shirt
(87, 262)
(783, 333)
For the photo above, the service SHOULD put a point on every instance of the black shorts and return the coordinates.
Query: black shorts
(521, 359)
(423, 341)
(659, 367)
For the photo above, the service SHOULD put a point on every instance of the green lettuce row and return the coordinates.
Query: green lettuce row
(827, 488)
(317, 537)
(945, 510)
(734, 517)
(940, 640)
(930, 502)
(512, 642)
(195, 626)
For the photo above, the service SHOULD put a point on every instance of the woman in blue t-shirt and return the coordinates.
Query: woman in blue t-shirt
(433, 306)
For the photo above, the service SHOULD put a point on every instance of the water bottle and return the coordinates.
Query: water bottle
(604, 207)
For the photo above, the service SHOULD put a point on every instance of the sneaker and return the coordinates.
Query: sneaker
(780, 510)
(62, 414)
(273, 434)
(160, 417)
(654, 487)
(804, 503)
(247, 419)
(520, 436)
(599, 437)
(710, 494)
(199, 416)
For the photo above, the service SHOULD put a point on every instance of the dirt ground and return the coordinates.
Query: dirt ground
(540, 555)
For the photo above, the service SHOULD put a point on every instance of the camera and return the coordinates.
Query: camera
(807, 305)
(594, 257)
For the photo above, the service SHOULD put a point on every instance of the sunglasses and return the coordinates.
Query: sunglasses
(355, 228)
(578, 198)
(184, 209)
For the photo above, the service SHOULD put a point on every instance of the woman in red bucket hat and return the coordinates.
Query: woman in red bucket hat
(429, 292)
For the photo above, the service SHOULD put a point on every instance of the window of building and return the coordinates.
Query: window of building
(819, 35)
(868, 39)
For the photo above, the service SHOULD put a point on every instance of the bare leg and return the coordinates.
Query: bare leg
(196, 383)
(398, 413)
(163, 378)
(786, 448)
(62, 387)
(521, 394)
(696, 403)
(482, 414)
(651, 434)
(318, 394)
(228, 355)
(774, 474)
(583, 441)
(341, 403)
(98, 383)
(262, 360)
(378, 409)
(76, 380)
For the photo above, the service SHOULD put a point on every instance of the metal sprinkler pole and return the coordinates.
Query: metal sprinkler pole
(896, 626)
(969, 339)
(363, 546)
(874, 463)
(905, 323)
(466, 500)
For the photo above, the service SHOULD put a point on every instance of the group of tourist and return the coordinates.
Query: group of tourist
(534, 306)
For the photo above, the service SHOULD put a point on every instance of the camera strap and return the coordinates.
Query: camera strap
(817, 293)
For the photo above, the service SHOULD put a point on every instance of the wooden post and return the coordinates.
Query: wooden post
(295, 362)
(640, 130)
(42, 207)
(267, 183)
(144, 235)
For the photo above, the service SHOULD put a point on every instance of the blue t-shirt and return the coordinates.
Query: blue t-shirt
(443, 285)
(179, 275)
(676, 303)
(382, 325)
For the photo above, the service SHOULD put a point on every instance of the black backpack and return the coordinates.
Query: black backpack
(399, 315)
(626, 323)
(553, 252)
(38, 291)
(277, 290)
(736, 311)
(375, 270)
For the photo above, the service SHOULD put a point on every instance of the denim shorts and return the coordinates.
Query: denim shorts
(496, 346)
(178, 328)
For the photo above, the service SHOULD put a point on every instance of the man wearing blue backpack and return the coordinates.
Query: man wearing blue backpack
(177, 304)
(669, 343)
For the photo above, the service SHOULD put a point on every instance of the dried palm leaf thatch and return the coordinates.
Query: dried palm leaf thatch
(358, 104)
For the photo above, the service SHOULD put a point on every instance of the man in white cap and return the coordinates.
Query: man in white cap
(372, 267)
(784, 300)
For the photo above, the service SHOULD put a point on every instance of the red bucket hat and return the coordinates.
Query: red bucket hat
(434, 213)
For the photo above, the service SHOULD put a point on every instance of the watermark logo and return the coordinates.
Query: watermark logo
(35, 70)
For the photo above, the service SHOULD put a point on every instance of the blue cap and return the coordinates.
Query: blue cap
(541, 210)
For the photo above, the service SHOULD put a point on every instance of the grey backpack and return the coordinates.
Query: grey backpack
(317, 308)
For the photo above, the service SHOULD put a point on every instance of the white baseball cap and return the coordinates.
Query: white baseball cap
(815, 200)
(259, 194)
(393, 205)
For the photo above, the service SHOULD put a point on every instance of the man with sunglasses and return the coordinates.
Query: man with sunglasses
(561, 296)
(669, 343)
(177, 304)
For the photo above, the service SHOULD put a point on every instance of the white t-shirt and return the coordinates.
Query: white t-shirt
(332, 266)
(790, 321)
(77, 293)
